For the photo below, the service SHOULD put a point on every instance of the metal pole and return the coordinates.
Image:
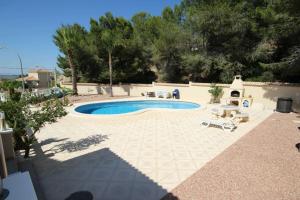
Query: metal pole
(22, 74)
(55, 79)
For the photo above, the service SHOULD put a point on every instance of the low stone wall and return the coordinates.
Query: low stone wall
(265, 93)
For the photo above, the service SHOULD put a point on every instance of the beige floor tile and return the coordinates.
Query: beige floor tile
(148, 153)
(166, 163)
(132, 152)
(182, 154)
(165, 154)
(184, 174)
(147, 163)
(167, 176)
(185, 164)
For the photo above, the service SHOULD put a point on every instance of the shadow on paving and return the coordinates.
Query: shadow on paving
(101, 174)
(73, 146)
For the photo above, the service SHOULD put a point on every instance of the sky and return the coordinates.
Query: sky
(27, 26)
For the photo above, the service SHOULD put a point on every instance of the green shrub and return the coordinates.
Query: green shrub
(20, 117)
(216, 92)
(10, 86)
(16, 96)
(266, 76)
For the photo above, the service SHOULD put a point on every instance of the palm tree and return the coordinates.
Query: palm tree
(67, 39)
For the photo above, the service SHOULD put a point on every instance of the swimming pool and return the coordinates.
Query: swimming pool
(122, 107)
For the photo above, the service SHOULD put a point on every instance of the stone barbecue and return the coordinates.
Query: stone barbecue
(237, 87)
(237, 92)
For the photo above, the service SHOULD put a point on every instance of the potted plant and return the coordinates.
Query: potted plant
(216, 93)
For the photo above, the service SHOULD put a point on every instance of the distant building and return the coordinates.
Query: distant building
(39, 78)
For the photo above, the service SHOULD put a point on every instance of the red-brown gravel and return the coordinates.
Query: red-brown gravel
(264, 164)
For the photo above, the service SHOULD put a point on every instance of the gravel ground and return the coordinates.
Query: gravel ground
(264, 164)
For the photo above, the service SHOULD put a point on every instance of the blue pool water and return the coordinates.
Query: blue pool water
(121, 107)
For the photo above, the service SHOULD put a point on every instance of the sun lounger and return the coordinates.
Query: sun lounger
(216, 112)
(242, 117)
(162, 94)
(225, 124)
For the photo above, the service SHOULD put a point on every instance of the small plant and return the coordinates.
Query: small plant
(216, 92)
(66, 101)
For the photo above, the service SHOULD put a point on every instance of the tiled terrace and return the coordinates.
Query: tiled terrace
(140, 156)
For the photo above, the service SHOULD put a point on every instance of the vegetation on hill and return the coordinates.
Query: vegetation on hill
(198, 40)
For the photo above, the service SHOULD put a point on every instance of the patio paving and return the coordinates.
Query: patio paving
(139, 156)
(264, 164)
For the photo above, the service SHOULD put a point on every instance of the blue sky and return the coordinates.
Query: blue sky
(27, 26)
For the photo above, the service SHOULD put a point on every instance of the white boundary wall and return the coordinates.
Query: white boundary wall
(265, 93)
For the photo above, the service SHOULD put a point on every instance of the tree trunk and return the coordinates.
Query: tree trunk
(110, 73)
(73, 72)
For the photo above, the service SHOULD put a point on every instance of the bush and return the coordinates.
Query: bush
(20, 117)
(10, 86)
(16, 96)
(266, 76)
(216, 93)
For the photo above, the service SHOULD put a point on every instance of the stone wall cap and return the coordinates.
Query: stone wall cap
(245, 83)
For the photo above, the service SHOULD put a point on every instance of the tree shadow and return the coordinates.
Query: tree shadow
(51, 140)
(126, 88)
(99, 90)
(273, 92)
(82, 144)
(106, 89)
(118, 90)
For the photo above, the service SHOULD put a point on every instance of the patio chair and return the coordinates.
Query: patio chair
(225, 124)
(150, 94)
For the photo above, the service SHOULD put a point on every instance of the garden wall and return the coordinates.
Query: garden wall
(265, 93)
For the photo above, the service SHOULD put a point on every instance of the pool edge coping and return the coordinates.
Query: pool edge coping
(78, 114)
